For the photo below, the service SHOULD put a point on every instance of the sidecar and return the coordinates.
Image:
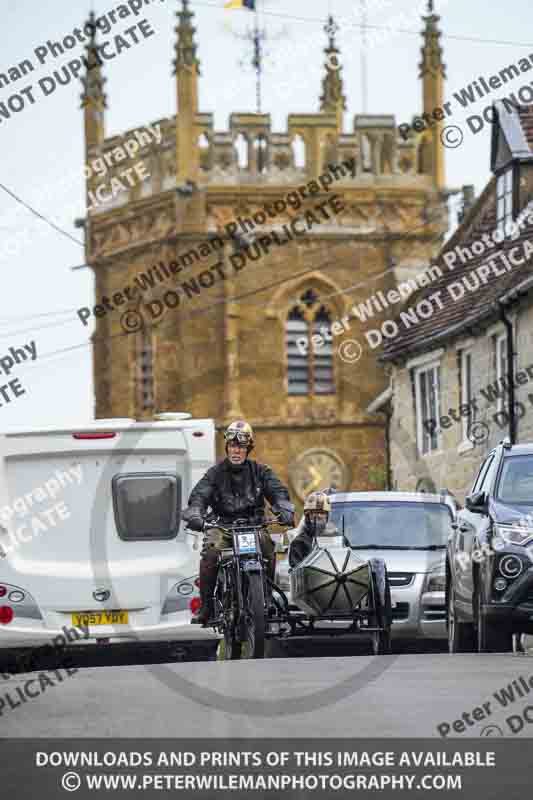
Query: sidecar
(336, 592)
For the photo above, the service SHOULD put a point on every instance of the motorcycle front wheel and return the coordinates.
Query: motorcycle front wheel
(253, 645)
(229, 648)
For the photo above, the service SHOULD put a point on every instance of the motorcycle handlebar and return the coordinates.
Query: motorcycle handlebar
(232, 528)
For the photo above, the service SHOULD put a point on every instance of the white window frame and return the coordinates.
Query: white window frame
(500, 344)
(433, 366)
(466, 396)
(504, 199)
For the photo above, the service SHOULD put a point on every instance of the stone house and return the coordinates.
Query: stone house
(463, 353)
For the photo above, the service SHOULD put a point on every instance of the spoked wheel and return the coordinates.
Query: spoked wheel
(381, 618)
(229, 648)
(253, 645)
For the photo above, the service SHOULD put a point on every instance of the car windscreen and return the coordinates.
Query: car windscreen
(393, 524)
(516, 480)
(146, 505)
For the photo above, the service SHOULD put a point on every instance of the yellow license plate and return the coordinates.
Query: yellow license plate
(85, 618)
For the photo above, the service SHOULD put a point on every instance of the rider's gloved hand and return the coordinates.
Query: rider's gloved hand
(284, 516)
(196, 524)
(194, 519)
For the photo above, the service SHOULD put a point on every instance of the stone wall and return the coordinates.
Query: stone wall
(454, 465)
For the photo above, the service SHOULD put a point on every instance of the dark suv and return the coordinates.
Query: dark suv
(489, 563)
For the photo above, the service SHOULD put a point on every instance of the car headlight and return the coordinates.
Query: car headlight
(514, 534)
(436, 579)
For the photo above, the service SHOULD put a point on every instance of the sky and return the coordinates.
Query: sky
(42, 146)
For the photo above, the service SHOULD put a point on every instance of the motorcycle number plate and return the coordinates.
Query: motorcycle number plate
(247, 543)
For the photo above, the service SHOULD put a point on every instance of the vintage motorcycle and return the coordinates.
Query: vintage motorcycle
(333, 593)
(243, 592)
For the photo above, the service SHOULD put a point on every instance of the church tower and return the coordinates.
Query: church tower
(245, 245)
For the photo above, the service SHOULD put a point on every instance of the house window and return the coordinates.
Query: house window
(467, 392)
(427, 383)
(310, 363)
(144, 371)
(500, 355)
(504, 199)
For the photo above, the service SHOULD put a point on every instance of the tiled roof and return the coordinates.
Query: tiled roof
(475, 306)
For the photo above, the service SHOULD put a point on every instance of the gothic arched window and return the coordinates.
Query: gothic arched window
(309, 365)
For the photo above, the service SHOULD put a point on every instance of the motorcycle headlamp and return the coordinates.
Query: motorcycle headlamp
(514, 534)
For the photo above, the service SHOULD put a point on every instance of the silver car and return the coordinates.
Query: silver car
(410, 532)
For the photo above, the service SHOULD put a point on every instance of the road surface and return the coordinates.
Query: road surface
(363, 696)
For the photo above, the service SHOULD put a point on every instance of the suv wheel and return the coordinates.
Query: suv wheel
(461, 636)
(490, 638)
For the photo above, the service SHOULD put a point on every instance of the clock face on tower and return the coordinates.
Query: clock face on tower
(317, 469)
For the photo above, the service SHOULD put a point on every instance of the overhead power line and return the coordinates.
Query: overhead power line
(348, 24)
(329, 264)
(41, 216)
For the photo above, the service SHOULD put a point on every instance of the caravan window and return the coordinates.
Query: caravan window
(146, 505)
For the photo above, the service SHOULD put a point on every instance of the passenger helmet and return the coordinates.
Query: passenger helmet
(242, 431)
(317, 501)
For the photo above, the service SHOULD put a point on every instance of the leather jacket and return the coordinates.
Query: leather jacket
(232, 493)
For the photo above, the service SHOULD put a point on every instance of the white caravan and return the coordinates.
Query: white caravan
(90, 534)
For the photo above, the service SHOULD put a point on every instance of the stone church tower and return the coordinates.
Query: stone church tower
(220, 332)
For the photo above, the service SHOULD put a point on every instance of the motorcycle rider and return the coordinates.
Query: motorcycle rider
(235, 488)
(314, 523)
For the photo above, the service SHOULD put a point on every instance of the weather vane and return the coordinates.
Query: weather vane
(257, 36)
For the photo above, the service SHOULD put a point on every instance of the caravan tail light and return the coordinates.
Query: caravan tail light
(6, 615)
(110, 435)
(3, 591)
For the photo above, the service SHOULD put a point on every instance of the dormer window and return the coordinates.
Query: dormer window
(504, 200)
